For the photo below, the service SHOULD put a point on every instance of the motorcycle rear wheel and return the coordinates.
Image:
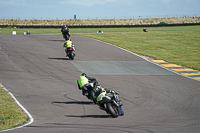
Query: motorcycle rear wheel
(92, 96)
(71, 55)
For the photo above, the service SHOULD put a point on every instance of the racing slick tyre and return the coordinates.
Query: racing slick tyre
(92, 96)
(71, 55)
(112, 110)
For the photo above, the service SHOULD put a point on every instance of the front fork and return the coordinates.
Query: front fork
(118, 106)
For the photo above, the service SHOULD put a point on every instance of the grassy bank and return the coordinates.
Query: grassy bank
(10, 113)
(81, 22)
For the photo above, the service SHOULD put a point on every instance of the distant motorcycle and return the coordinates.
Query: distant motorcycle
(70, 50)
(113, 105)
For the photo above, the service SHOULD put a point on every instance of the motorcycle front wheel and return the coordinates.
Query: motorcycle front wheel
(112, 109)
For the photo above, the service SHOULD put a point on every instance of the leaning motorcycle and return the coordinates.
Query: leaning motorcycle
(113, 105)
(89, 89)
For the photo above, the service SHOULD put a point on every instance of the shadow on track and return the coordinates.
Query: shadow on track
(59, 58)
(89, 116)
(73, 102)
(57, 40)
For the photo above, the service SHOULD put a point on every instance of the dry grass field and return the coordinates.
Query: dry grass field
(87, 22)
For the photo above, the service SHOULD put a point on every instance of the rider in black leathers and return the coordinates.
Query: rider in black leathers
(65, 32)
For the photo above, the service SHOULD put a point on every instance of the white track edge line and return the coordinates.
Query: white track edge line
(29, 115)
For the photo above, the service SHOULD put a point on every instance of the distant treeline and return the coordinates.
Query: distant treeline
(101, 23)
(97, 26)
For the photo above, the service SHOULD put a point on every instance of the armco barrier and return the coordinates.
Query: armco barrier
(98, 26)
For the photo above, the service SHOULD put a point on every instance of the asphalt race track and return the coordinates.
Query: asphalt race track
(34, 68)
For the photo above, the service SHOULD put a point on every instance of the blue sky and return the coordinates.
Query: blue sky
(97, 9)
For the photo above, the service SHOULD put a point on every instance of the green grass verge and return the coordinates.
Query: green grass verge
(94, 30)
(72, 30)
(31, 30)
(11, 114)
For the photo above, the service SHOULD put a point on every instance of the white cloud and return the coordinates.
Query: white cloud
(87, 2)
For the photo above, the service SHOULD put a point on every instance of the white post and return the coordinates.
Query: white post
(14, 32)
